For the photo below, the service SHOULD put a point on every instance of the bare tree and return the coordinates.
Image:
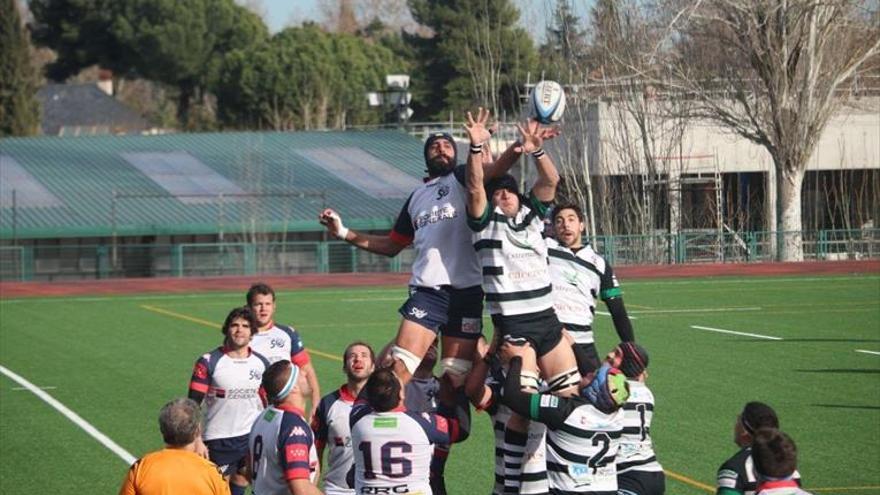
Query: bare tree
(774, 72)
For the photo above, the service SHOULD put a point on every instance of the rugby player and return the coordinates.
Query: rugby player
(775, 456)
(638, 472)
(227, 381)
(581, 276)
(583, 431)
(508, 237)
(277, 342)
(392, 446)
(281, 449)
(737, 475)
(445, 293)
(330, 423)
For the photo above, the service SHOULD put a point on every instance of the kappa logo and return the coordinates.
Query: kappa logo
(417, 312)
(297, 431)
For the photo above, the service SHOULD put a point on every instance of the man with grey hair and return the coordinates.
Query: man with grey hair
(177, 468)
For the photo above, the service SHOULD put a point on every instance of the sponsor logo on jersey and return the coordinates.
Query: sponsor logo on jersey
(276, 343)
(437, 214)
(379, 490)
(418, 312)
(201, 371)
(255, 374)
(549, 401)
(270, 415)
(384, 422)
(296, 452)
(580, 473)
(297, 431)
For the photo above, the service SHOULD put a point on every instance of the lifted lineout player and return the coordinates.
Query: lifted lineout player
(445, 294)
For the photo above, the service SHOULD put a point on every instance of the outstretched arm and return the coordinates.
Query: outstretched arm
(533, 136)
(476, 191)
(387, 245)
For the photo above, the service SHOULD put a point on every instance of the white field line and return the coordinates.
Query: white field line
(745, 334)
(77, 420)
(19, 389)
(629, 315)
(868, 352)
(696, 310)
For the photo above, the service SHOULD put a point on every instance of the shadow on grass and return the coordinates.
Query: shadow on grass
(875, 371)
(845, 406)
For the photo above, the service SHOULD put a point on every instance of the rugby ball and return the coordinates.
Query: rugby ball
(547, 102)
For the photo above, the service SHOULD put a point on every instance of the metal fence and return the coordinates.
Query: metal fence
(47, 263)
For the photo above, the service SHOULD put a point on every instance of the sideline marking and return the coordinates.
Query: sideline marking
(719, 330)
(77, 420)
(689, 481)
(868, 352)
(19, 389)
(698, 310)
(207, 323)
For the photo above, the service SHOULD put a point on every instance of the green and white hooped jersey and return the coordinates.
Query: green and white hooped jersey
(513, 257)
(636, 448)
(579, 279)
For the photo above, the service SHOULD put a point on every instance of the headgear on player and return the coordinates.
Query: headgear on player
(437, 167)
(608, 391)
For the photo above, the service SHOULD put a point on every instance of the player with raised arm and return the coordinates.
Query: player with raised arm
(282, 456)
(330, 423)
(737, 475)
(508, 237)
(276, 341)
(227, 381)
(581, 277)
(445, 294)
(393, 447)
(583, 431)
(638, 472)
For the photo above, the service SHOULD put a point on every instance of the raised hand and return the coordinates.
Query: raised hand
(476, 129)
(531, 136)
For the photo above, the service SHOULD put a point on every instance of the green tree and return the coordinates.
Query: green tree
(19, 109)
(178, 43)
(303, 78)
(477, 55)
(564, 54)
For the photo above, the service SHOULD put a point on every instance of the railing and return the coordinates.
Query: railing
(48, 263)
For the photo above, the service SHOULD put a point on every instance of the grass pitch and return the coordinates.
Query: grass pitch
(809, 346)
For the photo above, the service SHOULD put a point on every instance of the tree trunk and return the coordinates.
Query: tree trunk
(789, 236)
(183, 104)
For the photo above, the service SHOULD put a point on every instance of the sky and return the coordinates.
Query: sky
(533, 13)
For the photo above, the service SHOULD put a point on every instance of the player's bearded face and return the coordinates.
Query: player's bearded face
(358, 364)
(441, 158)
(239, 333)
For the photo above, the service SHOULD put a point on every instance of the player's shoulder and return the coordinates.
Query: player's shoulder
(588, 254)
(257, 356)
(287, 329)
(639, 392)
(330, 399)
(737, 462)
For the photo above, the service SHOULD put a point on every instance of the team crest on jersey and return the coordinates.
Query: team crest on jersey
(276, 343)
(442, 191)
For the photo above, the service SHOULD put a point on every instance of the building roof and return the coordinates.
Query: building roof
(79, 109)
(53, 187)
